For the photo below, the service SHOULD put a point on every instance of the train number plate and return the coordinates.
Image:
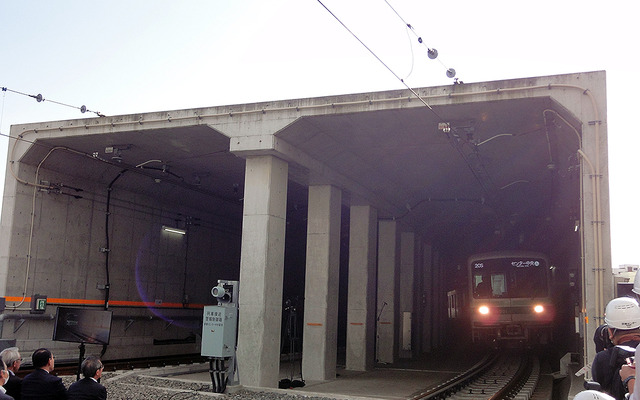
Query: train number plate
(513, 330)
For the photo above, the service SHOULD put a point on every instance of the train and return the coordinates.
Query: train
(505, 299)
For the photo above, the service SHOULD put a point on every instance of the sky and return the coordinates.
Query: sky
(123, 57)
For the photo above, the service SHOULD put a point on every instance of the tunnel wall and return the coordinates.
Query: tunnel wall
(146, 264)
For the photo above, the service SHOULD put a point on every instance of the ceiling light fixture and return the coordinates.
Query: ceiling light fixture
(173, 230)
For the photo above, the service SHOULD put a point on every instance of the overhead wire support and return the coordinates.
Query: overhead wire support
(39, 98)
(380, 60)
(431, 52)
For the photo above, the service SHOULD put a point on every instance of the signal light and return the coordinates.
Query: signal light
(484, 310)
(538, 308)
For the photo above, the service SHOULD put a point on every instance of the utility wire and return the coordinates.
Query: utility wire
(381, 62)
(40, 99)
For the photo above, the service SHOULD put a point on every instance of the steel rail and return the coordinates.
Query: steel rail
(516, 382)
(495, 377)
(455, 384)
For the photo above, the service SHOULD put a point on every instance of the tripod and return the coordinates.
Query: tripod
(292, 336)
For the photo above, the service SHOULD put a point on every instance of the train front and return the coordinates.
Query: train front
(510, 298)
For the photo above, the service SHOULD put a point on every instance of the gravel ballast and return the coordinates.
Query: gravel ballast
(137, 386)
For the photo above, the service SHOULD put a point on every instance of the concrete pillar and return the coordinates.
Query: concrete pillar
(428, 291)
(407, 266)
(261, 271)
(386, 315)
(361, 300)
(320, 335)
(439, 300)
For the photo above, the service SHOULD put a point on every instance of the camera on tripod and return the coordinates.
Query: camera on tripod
(292, 338)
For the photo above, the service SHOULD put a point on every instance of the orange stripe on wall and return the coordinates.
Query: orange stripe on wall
(17, 298)
(357, 323)
(121, 303)
(313, 324)
(74, 301)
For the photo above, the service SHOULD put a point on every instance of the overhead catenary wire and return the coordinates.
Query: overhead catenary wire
(39, 98)
(423, 101)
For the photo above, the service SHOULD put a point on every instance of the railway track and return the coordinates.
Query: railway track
(495, 377)
(129, 364)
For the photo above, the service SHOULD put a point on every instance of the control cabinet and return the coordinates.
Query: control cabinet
(219, 331)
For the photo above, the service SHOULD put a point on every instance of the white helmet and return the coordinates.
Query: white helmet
(592, 395)
(636, 284)
(622, 313)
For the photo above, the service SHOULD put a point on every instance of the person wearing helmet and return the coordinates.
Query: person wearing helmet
(592, 395)
(622, 316)
(601, 336)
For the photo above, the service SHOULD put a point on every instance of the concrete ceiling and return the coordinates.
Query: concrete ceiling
(502, 164)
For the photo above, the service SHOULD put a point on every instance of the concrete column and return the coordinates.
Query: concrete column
(320, 336)
(261, 271)
(428, 291)
(361, 301)
(407, 265)
(439, 300)
(388, 263)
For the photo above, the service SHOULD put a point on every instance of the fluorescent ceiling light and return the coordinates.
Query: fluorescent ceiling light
(173, 230)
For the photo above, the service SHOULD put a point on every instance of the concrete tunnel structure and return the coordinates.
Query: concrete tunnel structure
(363, 206)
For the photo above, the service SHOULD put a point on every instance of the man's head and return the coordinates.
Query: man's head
(11, 357)
(92, 367)
(42, 358)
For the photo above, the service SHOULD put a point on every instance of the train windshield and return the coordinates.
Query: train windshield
(510, 277)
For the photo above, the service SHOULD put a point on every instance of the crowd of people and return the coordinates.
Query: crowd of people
(41, 384)
(617, 346)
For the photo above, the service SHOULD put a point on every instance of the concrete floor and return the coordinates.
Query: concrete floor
(376, 384)
(399, 381)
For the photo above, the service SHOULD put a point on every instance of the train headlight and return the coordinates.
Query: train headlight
(538, 308)
(484, 310)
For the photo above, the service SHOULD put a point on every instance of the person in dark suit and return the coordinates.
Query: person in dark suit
(88, 388)
(40, 384)
(4, 377)
(11, 357)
